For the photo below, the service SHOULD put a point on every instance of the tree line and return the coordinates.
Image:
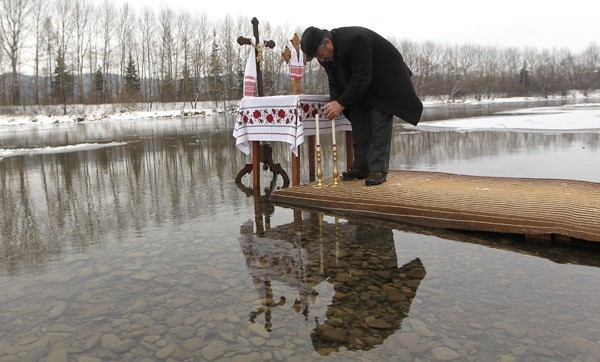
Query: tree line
(76, 51)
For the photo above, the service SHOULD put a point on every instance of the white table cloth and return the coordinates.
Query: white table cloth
(282, 118)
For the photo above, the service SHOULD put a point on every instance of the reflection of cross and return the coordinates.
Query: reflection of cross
(260, 154)
(268, 303)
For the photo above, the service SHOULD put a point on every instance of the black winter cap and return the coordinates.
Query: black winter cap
(311, 40)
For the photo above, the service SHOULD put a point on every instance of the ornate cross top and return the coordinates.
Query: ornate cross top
(287, 56)
(258, 49)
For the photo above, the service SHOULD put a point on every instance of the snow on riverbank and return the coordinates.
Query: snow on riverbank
(48, 115)
(5, 153)
(44, 115)
(584, 116)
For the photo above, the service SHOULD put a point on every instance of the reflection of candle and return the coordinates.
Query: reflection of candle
(317, 125)
(333, 130)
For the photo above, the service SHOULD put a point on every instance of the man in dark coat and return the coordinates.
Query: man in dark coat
(369, 83)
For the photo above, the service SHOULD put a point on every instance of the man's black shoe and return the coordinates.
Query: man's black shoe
(354, 174)
(375, 178)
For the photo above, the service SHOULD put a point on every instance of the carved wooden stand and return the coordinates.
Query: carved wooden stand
(265, 153)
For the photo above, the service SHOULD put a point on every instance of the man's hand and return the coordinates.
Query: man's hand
(332, 110)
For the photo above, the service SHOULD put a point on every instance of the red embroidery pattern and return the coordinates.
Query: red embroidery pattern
(296, 71)
(310, 109)
(268, 116)
(249, 86)
(278, 116)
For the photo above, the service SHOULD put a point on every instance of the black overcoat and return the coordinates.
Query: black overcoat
(367, 68)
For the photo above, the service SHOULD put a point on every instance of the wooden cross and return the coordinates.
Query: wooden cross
(297, 89)
(258, 49)
(287, 55)
(260, 154)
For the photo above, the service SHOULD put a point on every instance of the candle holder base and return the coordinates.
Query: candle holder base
(319, 169)
(336, 173)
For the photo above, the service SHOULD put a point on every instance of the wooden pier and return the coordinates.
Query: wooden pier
(543, 209)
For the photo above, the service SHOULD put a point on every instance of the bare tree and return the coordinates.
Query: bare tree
(81, 15)
(49, 45)
(468, 65)
(511, 70)
(184, 30)
(546, 73)
(94, 52)
(590, 68)
(282, 37)
(200, 55)
(215, 70)
(13, 15)
(165, 23)
(452, 75)
(125, 23)
(410, 53)
(271, 61)
(567, 71)
(65, 22)
(39, 10)
(107, 23)
(227, 51)
(147, 34)
(490, 71)
(2, 77)
(426, 65)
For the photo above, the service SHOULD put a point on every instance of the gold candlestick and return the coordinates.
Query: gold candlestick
(319, 170)
(336, 173)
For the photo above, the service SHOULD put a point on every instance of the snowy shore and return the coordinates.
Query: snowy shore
(47, 115)
(577, 117)
(43, 115)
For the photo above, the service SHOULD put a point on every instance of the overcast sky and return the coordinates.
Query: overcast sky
(533, 23)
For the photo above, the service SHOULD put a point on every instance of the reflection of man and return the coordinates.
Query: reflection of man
(372, 294)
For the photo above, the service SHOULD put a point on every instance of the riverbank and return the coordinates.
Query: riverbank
(76, 113)
(43, 115)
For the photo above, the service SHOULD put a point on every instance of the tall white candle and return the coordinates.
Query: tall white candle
(317, 126)
(333, 130)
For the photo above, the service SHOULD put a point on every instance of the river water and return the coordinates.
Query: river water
(131, 241)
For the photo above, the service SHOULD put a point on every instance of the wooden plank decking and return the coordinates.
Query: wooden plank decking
(508, 205)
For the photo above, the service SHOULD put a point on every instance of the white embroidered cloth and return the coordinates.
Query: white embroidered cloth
(250, 75)
(282, 118)
(296, 64)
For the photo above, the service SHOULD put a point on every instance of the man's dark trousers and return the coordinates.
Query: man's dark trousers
(372, 138)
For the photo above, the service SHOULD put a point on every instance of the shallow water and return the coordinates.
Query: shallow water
(147, 249)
